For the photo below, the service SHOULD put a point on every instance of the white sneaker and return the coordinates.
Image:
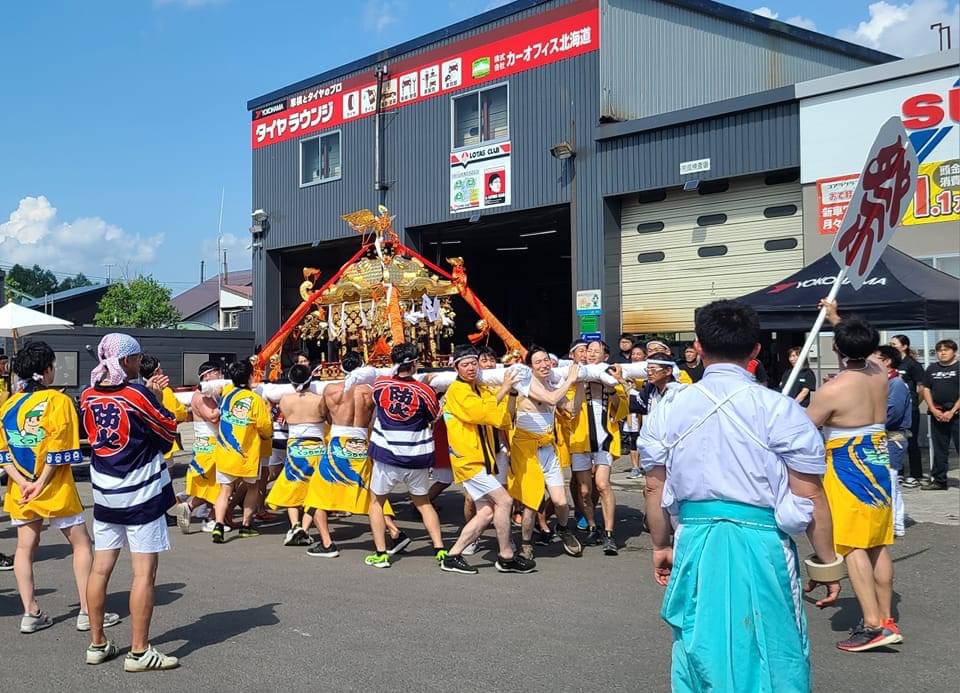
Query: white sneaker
(472, 549)
(109, 619)
(151, 660)
(210, 524)
(99, 655)
(31, 624)
(291, 538)
(184, 517)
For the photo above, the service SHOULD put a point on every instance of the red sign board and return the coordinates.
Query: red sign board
(563, 33)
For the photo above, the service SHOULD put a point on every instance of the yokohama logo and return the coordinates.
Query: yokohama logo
(820, 281)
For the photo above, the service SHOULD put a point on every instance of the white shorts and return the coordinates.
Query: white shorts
(54, 522)
(151, 537)
(503, 466)
(550, 465)
(481, 485)
(276, 459)
(230, 478)
(442, 475)
(584, 461)
(387, 476)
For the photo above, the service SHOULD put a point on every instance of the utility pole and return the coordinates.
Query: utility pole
(942, 29)
(108, 265)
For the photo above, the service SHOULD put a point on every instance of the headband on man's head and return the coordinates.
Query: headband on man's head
(661, 362)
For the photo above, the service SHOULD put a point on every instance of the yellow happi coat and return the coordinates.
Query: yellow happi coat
(38, 429)
(472, 415)
(614, 414)
(244, 426)
(179, 411)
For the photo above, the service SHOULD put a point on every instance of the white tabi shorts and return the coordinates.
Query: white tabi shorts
(230, 478)
(503, 465)
(54, 522)
(442, 475)
(386, 477)
(151, 537)
(550, 465)
(584, 461)
(482, 484)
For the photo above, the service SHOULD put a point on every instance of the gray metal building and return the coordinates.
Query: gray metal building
(621, 103)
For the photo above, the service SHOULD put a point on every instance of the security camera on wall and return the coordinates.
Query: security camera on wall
(259, 216)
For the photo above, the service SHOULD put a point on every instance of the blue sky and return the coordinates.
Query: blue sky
(123, 120)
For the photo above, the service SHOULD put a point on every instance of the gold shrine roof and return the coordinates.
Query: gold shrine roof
(407, 274)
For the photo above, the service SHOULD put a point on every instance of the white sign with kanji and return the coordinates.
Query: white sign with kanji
(879, 202)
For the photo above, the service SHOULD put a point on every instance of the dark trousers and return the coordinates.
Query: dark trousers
(913, 446)
(942, 435)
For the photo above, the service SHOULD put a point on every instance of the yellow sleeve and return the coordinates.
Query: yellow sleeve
(173, 405)
(685, 378)
(622, 410)
(480, 409)
(264, 422)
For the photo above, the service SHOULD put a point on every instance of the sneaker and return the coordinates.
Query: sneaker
(517, 564)
(910, 482)
(109, 619)
(303, 539)
(546, 538)
(609, 546)
(248, 533)
(217, 534)
(890, 626)
(899, 532)
(318, 550)
(6, 562)
(456, 564)
(184, 517)
(99, 655)
(472, 548)
(571, 545)
(151, 660)
(862, 639)
(635, 474)
(210, 524)
(441, 554)
(581, 522)
(594, 537)
(291, 537)
(377, 560)
(526, 550)
(932, 485)
(31, 624)
(399, 544)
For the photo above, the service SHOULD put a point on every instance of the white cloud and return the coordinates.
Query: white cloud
(34, 235)
(379, 14)
(904, 30)
(802, 22)
(238, 254)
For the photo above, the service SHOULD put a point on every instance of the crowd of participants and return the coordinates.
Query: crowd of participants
(721, 453)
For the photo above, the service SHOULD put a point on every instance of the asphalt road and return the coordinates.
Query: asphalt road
(253, 614)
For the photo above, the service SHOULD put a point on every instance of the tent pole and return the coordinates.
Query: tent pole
(814, 332)
(926, 362)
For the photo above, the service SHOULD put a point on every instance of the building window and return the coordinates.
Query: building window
(481, 117)
(780, 244)
(650, 227)
(231, 320)
(945, 263)
(780, 211)
(66, 374)
(712, 250)
(655, 256)
(711, 219)
(320, 159)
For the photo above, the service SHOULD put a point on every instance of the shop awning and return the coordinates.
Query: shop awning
(901, 293)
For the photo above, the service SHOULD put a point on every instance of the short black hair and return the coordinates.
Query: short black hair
(855, 338)
(351, 361)
(727, 329)
(903, 339)
(33, 358)
(533, 349)
(949, 343)
(890, 354)
(465, 351)
(487, 351)
(208, 366)
(626, 335)
(603, 344)
(404, 355)
(239, 372)
(148, 366)
(299, 376)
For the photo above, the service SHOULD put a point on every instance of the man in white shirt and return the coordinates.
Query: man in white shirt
(739, 468)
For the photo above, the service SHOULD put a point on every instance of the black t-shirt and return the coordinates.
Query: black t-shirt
(912, 374)
(805, 379)
(695, 372)
(944, 384)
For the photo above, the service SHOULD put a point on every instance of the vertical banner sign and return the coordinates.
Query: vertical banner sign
(480, 178)
(886, 186)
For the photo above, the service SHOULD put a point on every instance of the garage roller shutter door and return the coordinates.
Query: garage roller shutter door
(686, 253)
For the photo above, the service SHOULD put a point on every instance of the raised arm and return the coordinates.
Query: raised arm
(554, 397)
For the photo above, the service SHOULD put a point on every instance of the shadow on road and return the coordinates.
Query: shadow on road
(211, 629)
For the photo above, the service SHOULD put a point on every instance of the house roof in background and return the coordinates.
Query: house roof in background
(202, 296)
(64, 295)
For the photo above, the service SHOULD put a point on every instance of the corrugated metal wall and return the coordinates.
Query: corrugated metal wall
(765, 139)
(658, 57)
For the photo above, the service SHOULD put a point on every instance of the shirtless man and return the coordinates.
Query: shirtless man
(201, 479)
(533, 454)
(852, 410)
(344, 482)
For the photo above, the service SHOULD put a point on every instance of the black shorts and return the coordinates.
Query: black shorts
(629, 441)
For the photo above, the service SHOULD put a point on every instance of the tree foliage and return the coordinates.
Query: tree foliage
(143, 302)
(37, 282)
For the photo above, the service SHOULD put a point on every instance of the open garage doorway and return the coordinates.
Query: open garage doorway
(518, 263)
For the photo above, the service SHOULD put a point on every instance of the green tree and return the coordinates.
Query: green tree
(143, 302)
(74, 282)
(34, 281)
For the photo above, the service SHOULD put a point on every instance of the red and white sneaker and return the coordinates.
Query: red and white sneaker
(891, 626)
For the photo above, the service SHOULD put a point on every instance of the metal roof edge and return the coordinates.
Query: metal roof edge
(774, 26)
(864, 76)
(373, 59)
(736, 104)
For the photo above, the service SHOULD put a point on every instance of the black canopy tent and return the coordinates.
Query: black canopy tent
(901, 293)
